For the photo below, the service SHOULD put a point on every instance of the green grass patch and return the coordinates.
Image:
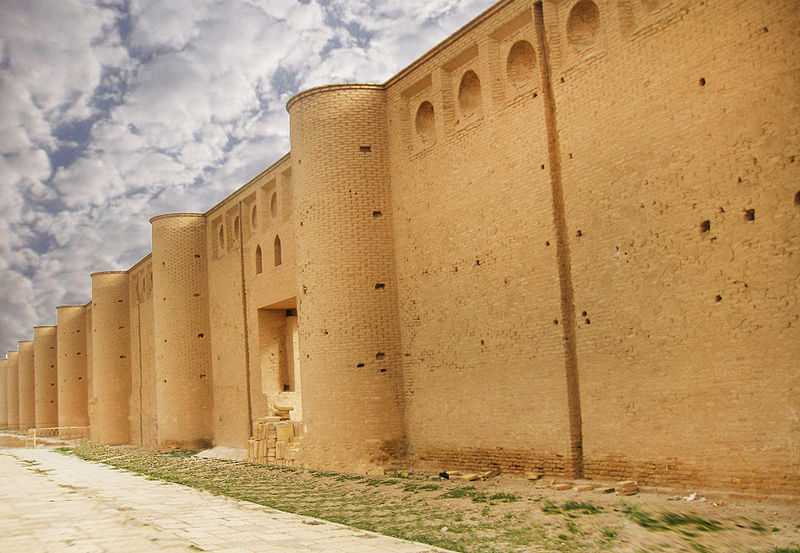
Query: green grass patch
(686, 523)
(570, 507)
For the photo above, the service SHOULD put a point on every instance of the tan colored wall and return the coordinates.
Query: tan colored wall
(688, 350)
(27, 385)
(271, 291)
(229, 358)
(12, 390)
(45, 359)
(180, 314)
(90, 363)
(347, 290)
(3, 393)
(581, 261)
(73, 398)
(111, 373)
(478, 281)
(233, 283)
(143, 411)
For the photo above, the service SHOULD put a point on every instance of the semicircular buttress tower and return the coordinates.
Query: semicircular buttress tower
(111, 374)
(27, 384)
(181, 326)
(73, 399)
(46, 376)
(12, 390)
(347, 300)
(3, 393)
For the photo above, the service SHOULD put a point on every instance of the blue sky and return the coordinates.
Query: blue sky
(117, 110)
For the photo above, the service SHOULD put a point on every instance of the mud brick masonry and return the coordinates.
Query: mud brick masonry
(566, 239)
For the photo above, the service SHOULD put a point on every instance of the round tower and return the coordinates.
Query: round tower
(347, 301)
(45, 376)
(12, 390)
(73, 400)
(27, 386)
(181, 326)
(111, 377)
(3, 393)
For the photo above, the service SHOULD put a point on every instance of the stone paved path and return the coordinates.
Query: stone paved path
(55, 503)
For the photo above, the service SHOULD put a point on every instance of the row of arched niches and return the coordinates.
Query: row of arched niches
(504, 64)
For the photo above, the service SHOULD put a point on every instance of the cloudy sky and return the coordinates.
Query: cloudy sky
(112, 111)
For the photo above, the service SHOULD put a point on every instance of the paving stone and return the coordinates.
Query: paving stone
(52, 503)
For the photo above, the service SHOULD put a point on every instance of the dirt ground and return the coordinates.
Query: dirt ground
(503, 514)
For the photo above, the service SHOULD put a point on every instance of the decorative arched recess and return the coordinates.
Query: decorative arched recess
(259, 261)
(426, 121)
(469, 93)
(583, 25)
(278, 259)
(521, 62)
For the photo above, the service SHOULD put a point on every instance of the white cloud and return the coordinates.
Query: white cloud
(108, 118)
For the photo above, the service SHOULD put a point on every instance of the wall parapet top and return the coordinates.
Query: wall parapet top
(436, 50)
(44, 326)
(99, 273)
(167, 215)
(332, 88)
(140, 262)
(242, 190)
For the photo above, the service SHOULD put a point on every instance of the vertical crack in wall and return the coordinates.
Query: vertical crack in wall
(141, 371)
(246, 329)
(562, 251)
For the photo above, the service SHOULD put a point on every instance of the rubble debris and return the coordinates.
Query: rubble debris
(628, 487)
(273, 442)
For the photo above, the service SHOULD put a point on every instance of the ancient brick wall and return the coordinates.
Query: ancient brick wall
(27, 386)
(12, 389)
(476, 252)
(90, 362)
(73, 398)
(347, 289)
(678, 124)
(270, 286)
(251, 250)
(562, 240)
(45, 357)
(181, 327)
(230, 387)
(143, 411)
(592, 251)
(3, 393)
(111, 371)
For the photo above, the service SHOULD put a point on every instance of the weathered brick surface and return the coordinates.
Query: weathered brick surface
(687, 338)
(3, 393)
(45, 357)
(111, 349)
(12, 389)
(73, 403)
(27, 386)
(564, 240)
(181, 328)
(143, 407)
(347, 289)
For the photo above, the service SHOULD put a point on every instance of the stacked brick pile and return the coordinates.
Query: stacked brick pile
(274, 440)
